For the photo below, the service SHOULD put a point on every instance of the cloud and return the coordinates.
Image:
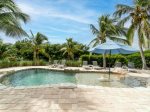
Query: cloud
(63, 30)
(81, 15)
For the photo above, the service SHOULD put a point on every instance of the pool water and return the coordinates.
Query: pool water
(35, 77)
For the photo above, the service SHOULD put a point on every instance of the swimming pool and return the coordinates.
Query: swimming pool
(36, 77)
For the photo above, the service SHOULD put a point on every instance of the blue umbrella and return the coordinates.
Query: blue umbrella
(111, 47)
(114, 48)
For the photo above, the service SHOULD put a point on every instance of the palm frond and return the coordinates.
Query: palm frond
(11, 29)
(32, 35)
(10, 19)
(123, 21)
(94, 30)
(130, 34)
(123, 9)
(94, 42)
(63, 49)
(120, 40)
(65, 52)
(9, 5)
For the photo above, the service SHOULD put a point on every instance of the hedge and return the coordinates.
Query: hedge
(7, 63)
(124, 59)
(99, 59)
(73, 63)
(136, 59)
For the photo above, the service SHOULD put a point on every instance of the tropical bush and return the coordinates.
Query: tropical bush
(124, 59)
(73, 63)
(136, 59)
(26, 63)
(7, 63)
(43, 63)
(99, 59)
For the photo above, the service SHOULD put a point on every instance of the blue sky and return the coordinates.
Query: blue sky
(61, 19)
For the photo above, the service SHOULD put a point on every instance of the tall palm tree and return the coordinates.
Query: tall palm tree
(38, 40)
(10, 19)
(139, 15)
(107, 29)
(70, 48)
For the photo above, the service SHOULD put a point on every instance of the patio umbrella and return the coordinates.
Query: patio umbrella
(111, 47)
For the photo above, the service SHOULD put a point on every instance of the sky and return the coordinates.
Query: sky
(61, 19)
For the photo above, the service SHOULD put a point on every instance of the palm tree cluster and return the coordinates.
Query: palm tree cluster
(71, 48)
(38, 41)
(107, 29)
(138, 15)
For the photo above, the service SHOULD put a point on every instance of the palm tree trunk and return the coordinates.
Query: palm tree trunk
(104, 60)
(34, 57)
(37, 55)
(144, 66)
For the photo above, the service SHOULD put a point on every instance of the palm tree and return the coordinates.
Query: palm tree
(70, 48)
(139, 15)
(107, 29)
(10, 19)
(38, 40)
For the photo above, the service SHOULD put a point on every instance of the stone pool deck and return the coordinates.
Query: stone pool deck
(80, 99)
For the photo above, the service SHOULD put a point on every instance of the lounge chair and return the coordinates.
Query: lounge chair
(95, 65)
(85, 65)
(55, 64)
(63, 64)
(131, 67)
(118, 65)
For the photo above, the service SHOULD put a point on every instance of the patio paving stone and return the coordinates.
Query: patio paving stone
(102, 99)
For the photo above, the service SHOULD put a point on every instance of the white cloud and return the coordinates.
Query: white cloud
(82, 15)
(63, 30)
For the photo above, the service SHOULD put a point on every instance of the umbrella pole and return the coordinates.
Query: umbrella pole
(109, 62)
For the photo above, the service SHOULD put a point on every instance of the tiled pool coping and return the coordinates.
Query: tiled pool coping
(73, 69)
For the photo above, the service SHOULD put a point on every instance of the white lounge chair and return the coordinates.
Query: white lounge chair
(63, 64)
(85, 65)
(55, 64)
(118, 65)
(95, 65)
(131, 67)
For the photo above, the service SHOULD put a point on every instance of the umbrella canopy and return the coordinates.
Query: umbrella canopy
(113, 47)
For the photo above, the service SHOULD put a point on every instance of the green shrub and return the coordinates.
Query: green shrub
(99, 59)
(7, 63)
(124, 59)
(42, 63)
(4, 63)
(136, 59)
(26, 63)
(73, 63)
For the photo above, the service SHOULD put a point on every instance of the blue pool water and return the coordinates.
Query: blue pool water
(36, 77)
